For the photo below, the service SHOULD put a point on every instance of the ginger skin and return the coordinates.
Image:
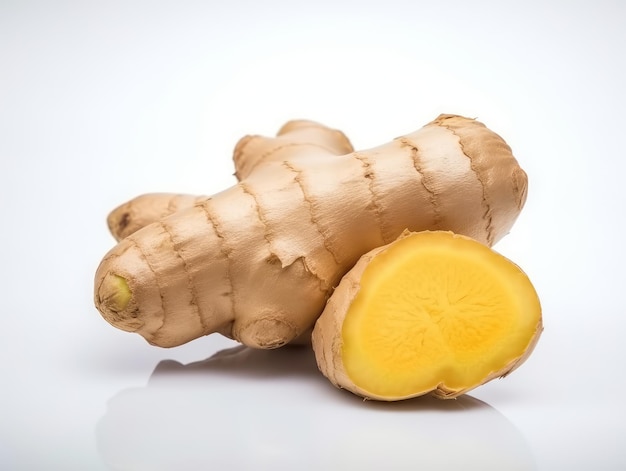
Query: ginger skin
(298, 137)
(258, 261)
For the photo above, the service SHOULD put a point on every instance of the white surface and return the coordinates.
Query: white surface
(100, 101)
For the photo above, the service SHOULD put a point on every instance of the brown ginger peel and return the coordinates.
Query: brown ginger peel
(298, 137)
(258, 261)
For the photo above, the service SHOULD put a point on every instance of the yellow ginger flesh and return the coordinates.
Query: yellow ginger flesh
(431, 312)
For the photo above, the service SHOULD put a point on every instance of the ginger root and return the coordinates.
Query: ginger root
(433, 312)
(258, 261)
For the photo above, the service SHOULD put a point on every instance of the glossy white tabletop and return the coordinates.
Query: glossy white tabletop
(101, 101)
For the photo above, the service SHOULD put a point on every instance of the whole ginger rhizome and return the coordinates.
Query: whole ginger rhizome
(260, 261)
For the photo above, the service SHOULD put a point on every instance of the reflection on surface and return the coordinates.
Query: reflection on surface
(259, 409)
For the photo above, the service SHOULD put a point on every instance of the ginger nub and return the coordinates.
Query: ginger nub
(437, 311)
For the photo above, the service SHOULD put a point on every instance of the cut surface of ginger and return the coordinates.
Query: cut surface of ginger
(437, 311)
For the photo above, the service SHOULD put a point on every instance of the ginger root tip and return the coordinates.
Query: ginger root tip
(114, 293)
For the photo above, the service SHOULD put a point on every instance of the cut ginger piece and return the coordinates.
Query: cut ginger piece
(433, 312)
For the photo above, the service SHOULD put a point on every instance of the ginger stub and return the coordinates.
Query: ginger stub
(433, 312)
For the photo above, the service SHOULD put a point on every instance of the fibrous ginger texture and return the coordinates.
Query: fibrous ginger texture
(433, 312)
(258, 261)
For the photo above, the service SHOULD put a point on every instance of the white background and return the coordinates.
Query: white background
(101, 101)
